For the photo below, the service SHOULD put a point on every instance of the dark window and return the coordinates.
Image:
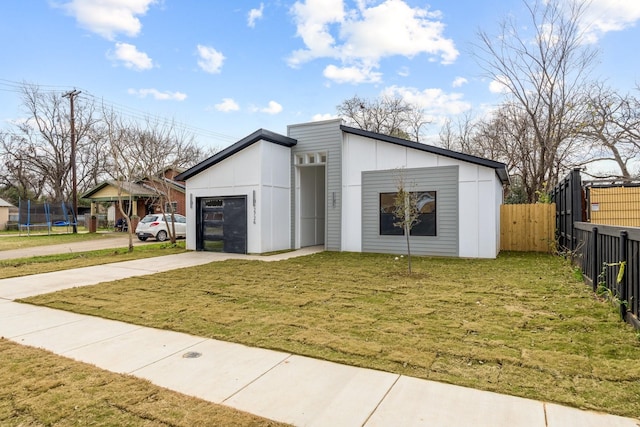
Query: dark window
(426, 203)
(171, 207)
(387, 218)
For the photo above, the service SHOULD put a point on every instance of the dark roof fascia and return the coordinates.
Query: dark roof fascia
(259, 135)
(501, 168)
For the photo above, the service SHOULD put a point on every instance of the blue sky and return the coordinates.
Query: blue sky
(227, 68)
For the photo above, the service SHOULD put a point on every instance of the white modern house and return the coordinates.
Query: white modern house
(329, 184)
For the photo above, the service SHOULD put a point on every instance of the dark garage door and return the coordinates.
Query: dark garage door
(222, 224)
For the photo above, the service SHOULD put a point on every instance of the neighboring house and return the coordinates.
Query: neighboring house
(333, 185)
(145, 194)
(4, 213)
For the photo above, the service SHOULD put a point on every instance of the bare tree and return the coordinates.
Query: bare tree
(386, 115)
(19, 177)
(544, 74)
(460, 135)
(36, 151)
(405, 210)
(139, 153)
(611, 129)
(125, 162)
(167, 147)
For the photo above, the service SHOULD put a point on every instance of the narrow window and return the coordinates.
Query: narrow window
(387, 218)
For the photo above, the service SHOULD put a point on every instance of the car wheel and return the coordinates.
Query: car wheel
(142, 238)
(161, 236)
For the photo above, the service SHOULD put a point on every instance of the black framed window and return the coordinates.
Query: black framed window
(426, 204)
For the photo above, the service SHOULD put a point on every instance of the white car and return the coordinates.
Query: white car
(155, 226)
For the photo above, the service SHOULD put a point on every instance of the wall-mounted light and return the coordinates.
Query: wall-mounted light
(190, 200)
(333, 199)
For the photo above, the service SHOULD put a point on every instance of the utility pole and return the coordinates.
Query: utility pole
(71, 95)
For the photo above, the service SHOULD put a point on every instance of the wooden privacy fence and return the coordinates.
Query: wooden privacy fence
(530, 228)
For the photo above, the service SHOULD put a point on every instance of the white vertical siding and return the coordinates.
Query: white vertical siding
(273, 205)
(480, 192)
(258, 168)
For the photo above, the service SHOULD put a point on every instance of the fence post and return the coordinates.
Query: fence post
(624, 289)
(594, 258)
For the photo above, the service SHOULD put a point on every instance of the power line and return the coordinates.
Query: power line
(126, 111)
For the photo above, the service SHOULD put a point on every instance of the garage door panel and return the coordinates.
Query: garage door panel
(223, 224)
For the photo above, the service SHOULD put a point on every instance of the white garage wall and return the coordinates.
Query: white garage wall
(273, 212)
(478, 187)
(263, 168)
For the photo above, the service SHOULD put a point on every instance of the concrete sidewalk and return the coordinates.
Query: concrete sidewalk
(275, 385)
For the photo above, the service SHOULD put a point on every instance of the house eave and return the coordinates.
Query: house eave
(500, 168)
(259, 135)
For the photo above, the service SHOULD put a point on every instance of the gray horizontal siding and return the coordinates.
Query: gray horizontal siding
(443, 180)
(313, 138)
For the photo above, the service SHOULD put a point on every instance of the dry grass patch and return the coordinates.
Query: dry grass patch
(39, 388)
(521, 324)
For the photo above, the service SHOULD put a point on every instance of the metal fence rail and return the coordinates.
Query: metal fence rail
(609, 256)
(567, 196)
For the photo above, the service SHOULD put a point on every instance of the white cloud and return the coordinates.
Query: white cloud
(210, 59)
(254, 15)
(361, 37)
(227, 104)
(313, 18)
(156, 94)
(499, 85)
(273, 108)
(131, 57)
(435, 102)
(459, 81)
(320, 117)
(109, 17)
(602, 16)
(353, 75)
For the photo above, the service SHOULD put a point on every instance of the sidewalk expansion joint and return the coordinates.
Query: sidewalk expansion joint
(287, 356)
(373, 411)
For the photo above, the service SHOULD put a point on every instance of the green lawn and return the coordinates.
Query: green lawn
(15, 241)
(68, 260)
(522, 324)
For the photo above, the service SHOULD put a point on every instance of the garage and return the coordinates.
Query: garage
(222, 224)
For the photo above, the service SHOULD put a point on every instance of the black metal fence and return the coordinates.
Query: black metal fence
(609, 257)
(568, 197)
